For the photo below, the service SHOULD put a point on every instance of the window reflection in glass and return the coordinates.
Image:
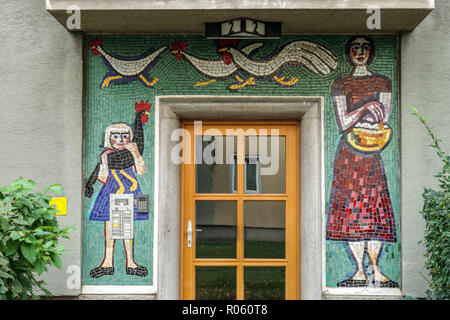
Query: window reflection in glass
(265, 158)
(215, 283)
(264, 283)
(265, 226)
(216, 231)
(214, 160)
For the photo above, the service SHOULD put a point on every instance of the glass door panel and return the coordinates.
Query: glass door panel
(264, 283)
(265, 164)
(265, 225)
(215, 229)
(215, 169)
(215, 283)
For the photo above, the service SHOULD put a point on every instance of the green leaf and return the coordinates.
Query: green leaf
(69, 229)
(28, 251)
(60, 249)
(27, 284)
(48, 244)
(56, 260)
(14, 235)
(5, 275)
(57, 189)
(31, 220)
(414, 110)
(43, 203)
(12, 247)
(26, 202)
(21, 222)
(17, 285)
(29, 185)
(47, 293)
(4, 223)
(3, 261)
(53, 211)
(40, 266)
(40, 232)
(47, 197)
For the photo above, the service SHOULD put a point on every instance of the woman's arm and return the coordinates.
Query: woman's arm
(347, 119)
(385, 100)
(103, 174)
(138, 160)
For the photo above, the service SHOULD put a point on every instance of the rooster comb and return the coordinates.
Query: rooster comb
(228, 43)
(179, 45)
(142, 106)
(95, 42)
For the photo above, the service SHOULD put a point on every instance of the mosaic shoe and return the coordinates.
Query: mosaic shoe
(386, 284)
(352, 283)
(138, 271)
(100, 272)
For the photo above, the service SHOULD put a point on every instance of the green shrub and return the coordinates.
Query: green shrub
(436, 212)
(29, 236)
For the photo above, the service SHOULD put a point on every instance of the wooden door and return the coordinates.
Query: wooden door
(240, 214)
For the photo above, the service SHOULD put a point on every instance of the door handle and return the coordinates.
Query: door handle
(189, 234)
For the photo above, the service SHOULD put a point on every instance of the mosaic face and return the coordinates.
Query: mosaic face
(360, 51)
(119, 141)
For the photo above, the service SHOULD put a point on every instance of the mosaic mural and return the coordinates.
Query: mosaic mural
(119, 163)
(125, 69)
(359, 87)
(237, 63)
(360, 211)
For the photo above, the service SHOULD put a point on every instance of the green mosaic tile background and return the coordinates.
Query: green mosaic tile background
(178, 77)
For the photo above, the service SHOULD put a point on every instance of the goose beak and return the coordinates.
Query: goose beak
(222, 50)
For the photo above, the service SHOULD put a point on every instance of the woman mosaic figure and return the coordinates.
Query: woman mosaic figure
(119, 162)
(360, 211)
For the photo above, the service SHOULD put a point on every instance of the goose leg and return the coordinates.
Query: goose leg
(290, 82)
(147, 82)
(249, 82)
(204, 83)
(107, 81)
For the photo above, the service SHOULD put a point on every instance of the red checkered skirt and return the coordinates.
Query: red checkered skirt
(360, 207)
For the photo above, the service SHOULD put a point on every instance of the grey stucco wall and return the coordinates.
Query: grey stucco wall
(41, 104)
(425, 84)
(41, 113)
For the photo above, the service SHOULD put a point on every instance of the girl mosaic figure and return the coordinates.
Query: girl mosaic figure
(119, 163)
(360, 211)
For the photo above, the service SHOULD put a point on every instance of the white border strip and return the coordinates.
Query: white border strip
(155, 192)
(107, 289)
(323, 200)
(366, 291)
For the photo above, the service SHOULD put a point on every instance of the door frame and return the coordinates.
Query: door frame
(291, 262)
(171, 110)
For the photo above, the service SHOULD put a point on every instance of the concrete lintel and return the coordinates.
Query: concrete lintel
(188, 17)
(236, 4)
